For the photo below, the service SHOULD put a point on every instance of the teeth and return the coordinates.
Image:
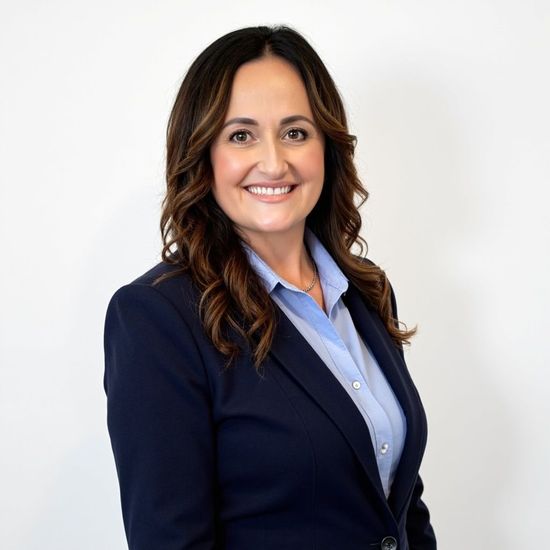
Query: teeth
(257, 190)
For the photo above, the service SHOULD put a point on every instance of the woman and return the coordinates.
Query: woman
(258, 396)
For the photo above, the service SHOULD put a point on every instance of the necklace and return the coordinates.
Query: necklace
(312, 284)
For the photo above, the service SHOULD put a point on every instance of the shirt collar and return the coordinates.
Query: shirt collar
(329, 272)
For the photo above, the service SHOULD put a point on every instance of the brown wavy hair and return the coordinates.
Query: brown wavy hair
(233, 301)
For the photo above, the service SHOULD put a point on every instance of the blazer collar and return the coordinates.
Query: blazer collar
(300, 361)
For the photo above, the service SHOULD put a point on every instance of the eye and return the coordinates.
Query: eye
(239, 136)
(297, 134)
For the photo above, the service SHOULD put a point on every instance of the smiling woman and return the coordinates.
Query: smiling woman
(257, 392)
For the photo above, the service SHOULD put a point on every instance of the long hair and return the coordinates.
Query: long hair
(234, 305)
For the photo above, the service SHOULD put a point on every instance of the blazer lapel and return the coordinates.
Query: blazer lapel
(301, 362)
(372, 330)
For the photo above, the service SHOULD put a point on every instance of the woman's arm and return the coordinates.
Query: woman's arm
(159, 421)
(420, 533)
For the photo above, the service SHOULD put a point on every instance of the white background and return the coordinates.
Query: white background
(450, 103)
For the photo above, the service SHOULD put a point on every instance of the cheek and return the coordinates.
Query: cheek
(313, 164)
(227, 167)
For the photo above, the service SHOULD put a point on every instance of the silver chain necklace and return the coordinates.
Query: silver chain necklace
(312, 284)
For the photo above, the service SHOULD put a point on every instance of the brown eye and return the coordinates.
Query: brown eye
(239, 136)
(297, 134)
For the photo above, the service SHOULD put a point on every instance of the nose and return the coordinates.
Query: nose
(272, 161)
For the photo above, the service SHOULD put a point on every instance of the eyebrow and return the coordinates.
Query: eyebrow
(252, 122)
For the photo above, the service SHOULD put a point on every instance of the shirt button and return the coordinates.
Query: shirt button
(356, 384)
(384, 448)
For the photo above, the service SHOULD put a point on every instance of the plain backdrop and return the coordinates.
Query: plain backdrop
(450, 104)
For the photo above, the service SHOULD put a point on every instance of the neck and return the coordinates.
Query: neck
(285, 253)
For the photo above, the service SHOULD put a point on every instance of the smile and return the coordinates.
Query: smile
(257, 190)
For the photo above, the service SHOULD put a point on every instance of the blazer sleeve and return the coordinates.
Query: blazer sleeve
(420, 532)
(160, 423)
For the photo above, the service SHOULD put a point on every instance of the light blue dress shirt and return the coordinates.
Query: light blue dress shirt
(334, 338)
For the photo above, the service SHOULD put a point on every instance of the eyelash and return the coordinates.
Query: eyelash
(305, 134)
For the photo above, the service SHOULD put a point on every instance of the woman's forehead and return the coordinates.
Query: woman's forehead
(268, 86)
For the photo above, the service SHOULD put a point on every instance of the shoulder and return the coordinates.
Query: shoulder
(177, 278)
(176, 291)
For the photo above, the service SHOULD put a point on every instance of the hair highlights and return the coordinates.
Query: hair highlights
(233, 302)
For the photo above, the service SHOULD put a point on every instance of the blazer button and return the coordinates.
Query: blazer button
(388, 543)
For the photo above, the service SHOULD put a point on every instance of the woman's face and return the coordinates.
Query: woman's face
(268, 160)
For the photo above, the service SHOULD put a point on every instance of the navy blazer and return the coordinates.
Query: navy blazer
(231, 460)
